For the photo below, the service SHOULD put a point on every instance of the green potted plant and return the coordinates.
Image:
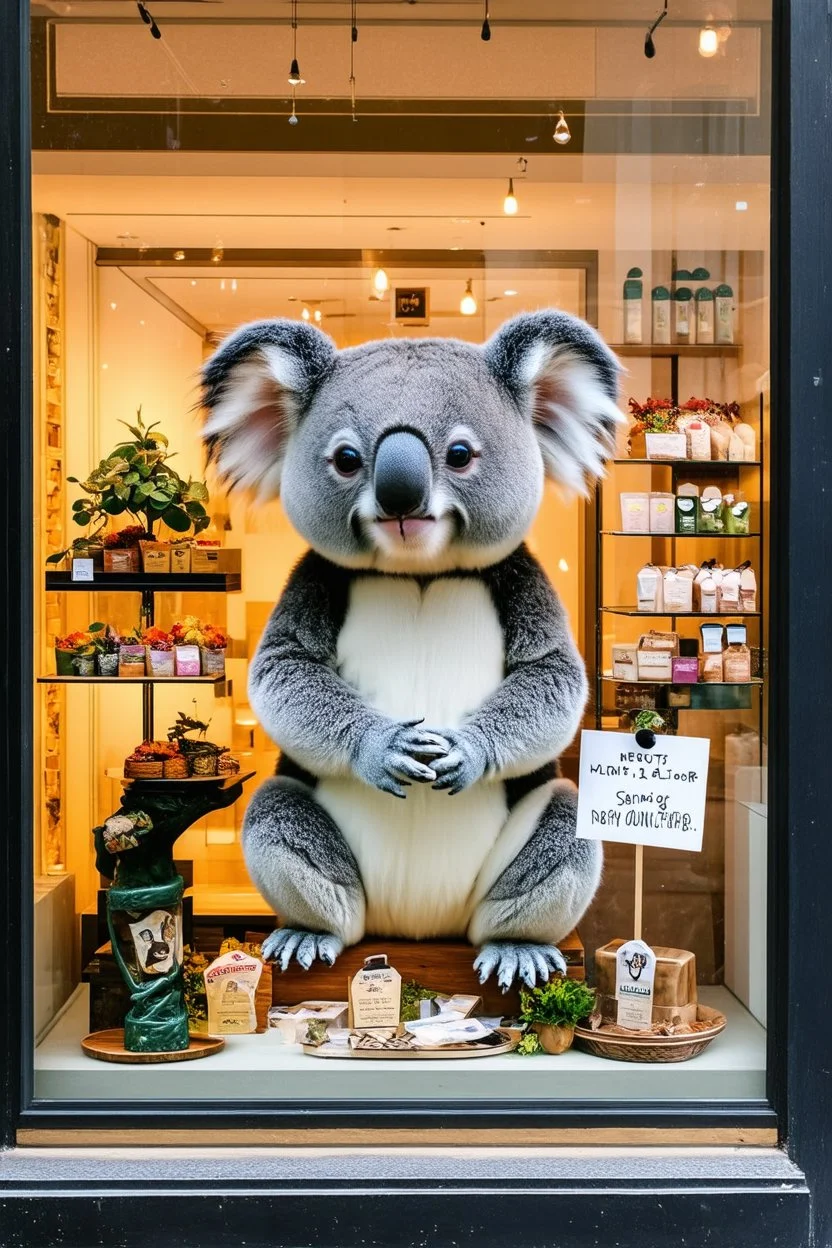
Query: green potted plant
(136, 477)
(106, 642)
(553, 1010)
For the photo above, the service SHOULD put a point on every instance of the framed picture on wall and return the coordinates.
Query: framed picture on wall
(411, 305)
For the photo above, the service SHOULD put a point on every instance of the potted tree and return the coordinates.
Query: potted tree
(553, 1011)
(137, 478)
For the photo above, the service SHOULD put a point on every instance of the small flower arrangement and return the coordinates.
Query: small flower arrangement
(75, 654)
(653, 416)
(107, 644)
(125, 538)
(213, 638)
(157, 639)
(155, 751)
(79, 642)
(188, 632)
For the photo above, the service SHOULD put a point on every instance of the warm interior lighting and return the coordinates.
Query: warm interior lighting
(381, 282)
(295, 77)
(468, 304)
(306, 314)
(510, 204)
(562, 132)
(708, 41)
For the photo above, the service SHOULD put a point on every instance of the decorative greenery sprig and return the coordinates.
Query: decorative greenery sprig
(560, 1003)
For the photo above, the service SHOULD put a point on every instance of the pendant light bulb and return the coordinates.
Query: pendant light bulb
(317, 316)
(562, 133)
(306, 314)
(295, 79)
(510, 204)
(485, 33)
(708, 42)
(381, 282)
(468, 304)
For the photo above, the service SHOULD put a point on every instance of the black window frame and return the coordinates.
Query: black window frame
(799, 1100)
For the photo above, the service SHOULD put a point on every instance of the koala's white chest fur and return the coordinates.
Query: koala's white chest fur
(435, 653)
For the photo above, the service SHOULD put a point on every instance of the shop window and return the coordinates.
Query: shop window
(173, 202)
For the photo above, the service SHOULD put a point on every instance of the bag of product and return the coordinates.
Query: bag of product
(736, 657)
(729, 591)
(705, 589)
(710, 510)
(748, 588)
(649, 588)
(230, 986)
(736, 515)
(720, 440)
(677, 590)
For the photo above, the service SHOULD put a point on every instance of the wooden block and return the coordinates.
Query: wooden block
(675, 982)
(444, 965)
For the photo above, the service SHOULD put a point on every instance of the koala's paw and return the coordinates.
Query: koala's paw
(392, 757)
(464, 763)
(514, 959)
(287, 942)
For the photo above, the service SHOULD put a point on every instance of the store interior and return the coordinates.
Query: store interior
(160, 224)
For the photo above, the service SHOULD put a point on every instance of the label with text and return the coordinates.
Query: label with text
(643, 797)
(634, 978)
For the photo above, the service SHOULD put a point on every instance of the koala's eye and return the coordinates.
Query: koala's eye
(347, 460)
(459, 455)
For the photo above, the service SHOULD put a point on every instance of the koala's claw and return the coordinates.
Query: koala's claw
(511, 960)
(464, 763)
(393, 757)
(287, 942)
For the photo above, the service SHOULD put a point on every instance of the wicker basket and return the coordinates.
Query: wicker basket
(228, 765)
(644, 1047)
(150, 770)
(175, 769)
(204, 765)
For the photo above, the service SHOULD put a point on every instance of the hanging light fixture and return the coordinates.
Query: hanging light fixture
(381, 282)
(293, 116)
(317, 316)
(510, 204)
(485, 33)
(708, 41)
(562, 132)
(147, 18)
(353, 42)
(649, 45)
(306, 314)
(468, 304)
(295, 78)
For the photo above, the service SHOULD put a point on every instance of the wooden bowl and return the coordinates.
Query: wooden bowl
(644, 1047)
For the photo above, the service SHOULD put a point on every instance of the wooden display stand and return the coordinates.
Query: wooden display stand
(444, 965)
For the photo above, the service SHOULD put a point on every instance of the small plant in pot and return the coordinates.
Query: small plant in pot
(75, 654)
(106, 643)
(213, 648)
(159, 651)
(553, 1011)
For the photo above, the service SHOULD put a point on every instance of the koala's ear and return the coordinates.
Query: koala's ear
(565, 378)
(255, 389)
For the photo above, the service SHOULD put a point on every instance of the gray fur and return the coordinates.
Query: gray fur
(282, 404)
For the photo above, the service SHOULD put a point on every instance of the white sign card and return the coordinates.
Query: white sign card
(643, 797)
(82, 570)
(634, 979)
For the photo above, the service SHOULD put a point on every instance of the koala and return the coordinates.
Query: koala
(418, 673)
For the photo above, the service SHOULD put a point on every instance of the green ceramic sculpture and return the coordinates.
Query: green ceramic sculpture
(134, 849)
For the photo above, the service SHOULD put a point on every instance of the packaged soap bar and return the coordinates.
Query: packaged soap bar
(687, 507)
(737, 515)
(660, 302)
(736, 658)
(677, 590)
(704, 315)
(655, 655)
(230, 986)
(633, 327)
(748, 588)
(635, 513)
(661, 513)
(649, 588)
(685, 669)
(710, 511)
(682, 320)
(729, 591)
(724, 305)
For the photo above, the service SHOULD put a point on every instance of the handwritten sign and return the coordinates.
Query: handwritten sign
(643, 797)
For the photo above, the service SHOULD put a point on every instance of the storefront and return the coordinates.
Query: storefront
(163, 184)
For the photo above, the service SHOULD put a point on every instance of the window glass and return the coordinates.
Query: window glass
(182, 187)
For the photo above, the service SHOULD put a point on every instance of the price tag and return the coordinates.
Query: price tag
(643, 797)
(634, 978)
(82, 569)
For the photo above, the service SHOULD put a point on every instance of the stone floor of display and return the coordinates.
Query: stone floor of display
(258, 1068)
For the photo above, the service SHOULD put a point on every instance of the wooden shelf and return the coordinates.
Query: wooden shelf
(660, 351)
(138, 582)
(707, 465)
(683, 537)
(132, 680)
(687, 684)
(675, 615)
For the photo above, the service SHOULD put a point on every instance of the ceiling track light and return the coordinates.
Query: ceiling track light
(562, 133)
(708, 41)
(468, 304)
(147, 18)
(353, 42)
(485, 33)
(649, 45)
(295, 77)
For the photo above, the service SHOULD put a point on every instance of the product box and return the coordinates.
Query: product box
(291, 1021)
(155, 556)
(655, 656)
(625, 662)
(674, 984)
(187, 661)
(376, 994)
(666, 445)
(215, 559)
(180, 559)
(685, 669)
(687, 508)
(661, 513)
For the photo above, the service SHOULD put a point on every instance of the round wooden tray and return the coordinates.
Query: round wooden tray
(420, 1055)
(108, 1046)
(644, 1047)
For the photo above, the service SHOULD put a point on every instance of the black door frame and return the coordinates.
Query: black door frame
(278, 1210)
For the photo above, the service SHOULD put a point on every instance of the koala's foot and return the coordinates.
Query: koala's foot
(514, 959)
(287, 942)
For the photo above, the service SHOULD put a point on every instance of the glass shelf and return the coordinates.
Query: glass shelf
(705, 615)
(131, 680)
(668, 684)
(683, 537)
(692, 351)
(708, 465)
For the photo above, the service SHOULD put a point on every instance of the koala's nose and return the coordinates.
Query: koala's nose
(402, 474)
